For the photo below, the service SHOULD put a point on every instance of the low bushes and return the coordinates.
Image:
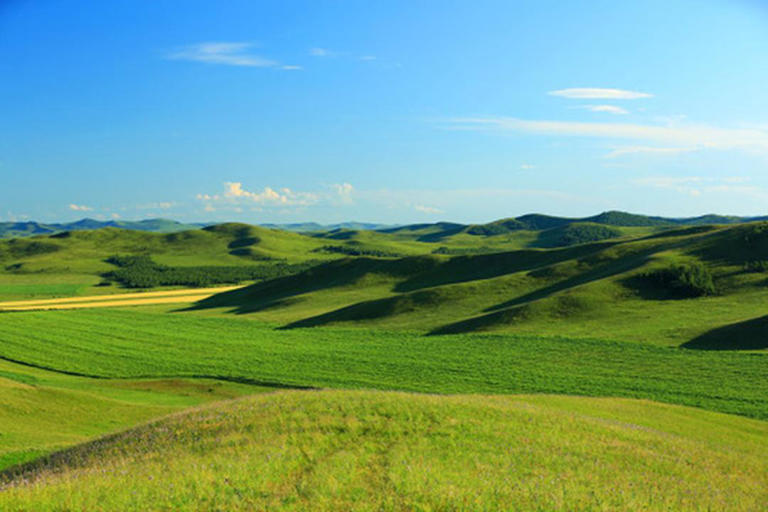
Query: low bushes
(691, 279)
(140, 271)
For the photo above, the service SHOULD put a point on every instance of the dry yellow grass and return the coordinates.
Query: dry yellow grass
(124, 299)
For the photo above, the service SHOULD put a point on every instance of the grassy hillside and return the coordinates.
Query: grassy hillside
(594, 280)
(608, 289)
(44, 411)
(74, 262)
(393, 451)
(630, 310)
(150, 342)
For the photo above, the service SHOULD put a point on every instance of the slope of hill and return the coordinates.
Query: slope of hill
(74, 262)
(424, 232)
(605, 289)
(336, 450)
(43, 410)
(538, 222)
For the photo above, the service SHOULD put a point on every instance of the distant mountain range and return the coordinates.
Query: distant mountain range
(538, 222)
(532, 222)
(31, 228)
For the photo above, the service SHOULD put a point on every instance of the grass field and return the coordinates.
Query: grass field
(345, 450)
(388, 311)
(140, 343)
(44, 411)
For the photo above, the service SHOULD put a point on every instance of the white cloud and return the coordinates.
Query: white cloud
(693, 136)
(80, 208)
(344, 191)
(227, 53)
(291, 68)
(235, 194)
(698, 185)
(634, 150)
(685, 185)
(285, 196)
(163, 205)
(592, 93)
(368, 57)
(320, 52)
(428, 209)
(608, 109)
(527, 167)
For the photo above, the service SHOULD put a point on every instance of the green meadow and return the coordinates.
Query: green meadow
(370, 451)
(536, 363)
(136, 343)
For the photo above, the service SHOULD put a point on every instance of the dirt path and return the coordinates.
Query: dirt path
(123, 299)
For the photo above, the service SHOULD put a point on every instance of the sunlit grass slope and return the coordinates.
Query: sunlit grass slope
(71, 262)
(41, 411)
(593, 289)
(342, 450)
(134, 343)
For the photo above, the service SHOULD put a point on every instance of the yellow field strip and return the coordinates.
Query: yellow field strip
(121, 296)
(112, 304)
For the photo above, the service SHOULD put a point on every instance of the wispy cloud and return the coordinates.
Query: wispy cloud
(697, 185)
(227, 53)
(646, 150)
(346, 55)
(235, 194)
(321, 52)
(608, 109)
(162, 205)
(593, 93)
(676, 136)
(80, 208)
(428, 209)
(527, 167)
(343, 192)
(686, 185)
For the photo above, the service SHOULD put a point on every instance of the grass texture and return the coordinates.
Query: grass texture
(136, 343)
(374, 451)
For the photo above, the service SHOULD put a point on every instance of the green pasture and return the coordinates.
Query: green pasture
(136, 343)
(373, 451)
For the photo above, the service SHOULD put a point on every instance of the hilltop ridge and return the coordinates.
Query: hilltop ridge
(530, 222)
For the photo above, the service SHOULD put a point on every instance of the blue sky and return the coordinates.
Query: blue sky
(384, 111)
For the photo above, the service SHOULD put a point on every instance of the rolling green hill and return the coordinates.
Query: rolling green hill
(74, 262)
(163, 342)
(336, 450)
(669, 313)
(43, 411)
(605, 289)
(584, 279)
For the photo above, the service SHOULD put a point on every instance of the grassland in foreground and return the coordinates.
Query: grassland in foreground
(43, 411)
(342, 450)
(139, 343)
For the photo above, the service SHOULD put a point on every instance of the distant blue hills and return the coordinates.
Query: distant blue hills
(534, 222)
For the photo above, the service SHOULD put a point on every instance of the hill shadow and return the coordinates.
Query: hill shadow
(374, 309)
(481, 323)
(283, 291)
(747, 335)
(460, 269)
(619, 267)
